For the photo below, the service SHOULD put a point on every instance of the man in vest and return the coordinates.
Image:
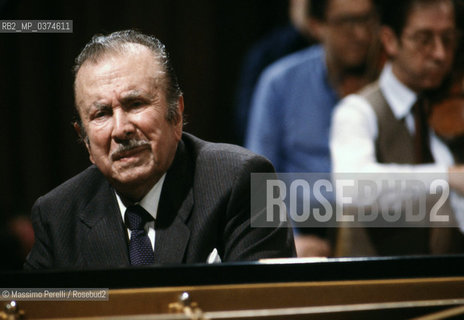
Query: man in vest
(379, 131)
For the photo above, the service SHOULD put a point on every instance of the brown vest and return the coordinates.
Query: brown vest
(395, 144)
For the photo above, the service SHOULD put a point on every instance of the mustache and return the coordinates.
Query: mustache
(126, 146)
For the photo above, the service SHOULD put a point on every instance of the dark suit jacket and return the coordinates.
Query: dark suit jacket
(204, 204)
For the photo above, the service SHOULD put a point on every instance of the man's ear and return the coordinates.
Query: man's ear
(389, 41)
(316, 28)
(180, 119)
(78, 130)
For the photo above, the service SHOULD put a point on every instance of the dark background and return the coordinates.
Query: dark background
(207, 40)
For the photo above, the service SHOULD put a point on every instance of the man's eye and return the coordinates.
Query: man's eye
(100, 114)
(424, 38)
(136, 104)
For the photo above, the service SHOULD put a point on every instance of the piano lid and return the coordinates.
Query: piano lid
(266, 271)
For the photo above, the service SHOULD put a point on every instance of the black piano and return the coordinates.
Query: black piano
(417, 287)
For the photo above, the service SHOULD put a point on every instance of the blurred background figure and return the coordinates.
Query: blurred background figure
(275, 45)
(385, 129)
(447, 114)
(16, 240)
(294, 98)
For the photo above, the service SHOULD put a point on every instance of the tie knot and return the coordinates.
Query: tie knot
(136, 217)
(421, 106)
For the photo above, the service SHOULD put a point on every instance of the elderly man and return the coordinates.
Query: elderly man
(153, 194)
(382, 129)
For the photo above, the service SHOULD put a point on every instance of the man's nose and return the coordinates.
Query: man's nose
(440, 49)
(123, 128)
(362, 31)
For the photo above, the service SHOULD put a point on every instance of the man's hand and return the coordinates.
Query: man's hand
(456, 178)
(312, 246)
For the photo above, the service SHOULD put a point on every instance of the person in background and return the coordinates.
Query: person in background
(383, 129)
(16, 240)
(294, 98)
(275, 45)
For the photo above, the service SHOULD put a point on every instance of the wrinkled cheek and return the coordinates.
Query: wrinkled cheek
(101, 152)
(100, 137)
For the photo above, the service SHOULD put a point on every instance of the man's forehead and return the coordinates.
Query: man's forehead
(127, 54)
(125, 73)
(136, 62)
(340, 7)
(416, 19)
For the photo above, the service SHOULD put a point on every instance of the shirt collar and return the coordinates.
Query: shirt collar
(149, 202)
(399, 97)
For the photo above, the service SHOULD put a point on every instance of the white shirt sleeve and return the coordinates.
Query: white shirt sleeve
(354, 131)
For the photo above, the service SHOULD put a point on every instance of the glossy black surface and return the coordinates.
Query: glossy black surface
(239, 273)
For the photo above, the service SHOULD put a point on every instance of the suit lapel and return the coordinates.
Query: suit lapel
(104, 238)
(176, 202)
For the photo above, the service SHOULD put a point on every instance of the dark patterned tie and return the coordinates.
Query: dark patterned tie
(140, 249)
(422, 150)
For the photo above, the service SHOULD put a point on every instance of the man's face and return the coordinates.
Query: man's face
(348, 32)
(424, 53)
(123, 108)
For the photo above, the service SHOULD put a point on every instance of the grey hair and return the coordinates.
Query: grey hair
(117, 42)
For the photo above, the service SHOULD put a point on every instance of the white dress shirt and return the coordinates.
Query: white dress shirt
(150, 203)
(354, 131)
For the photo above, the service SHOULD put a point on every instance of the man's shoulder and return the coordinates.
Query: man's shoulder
(86, 182)
(278, 43)
(220, 155)
(307, 56)
(372, 89)
(365, 97)
(297, 64)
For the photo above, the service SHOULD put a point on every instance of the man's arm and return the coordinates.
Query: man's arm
(40, 256)
(456, 178)
(243, 242)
